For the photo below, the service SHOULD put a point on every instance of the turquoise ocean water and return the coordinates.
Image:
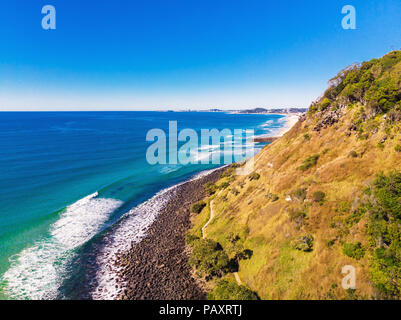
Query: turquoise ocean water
(74, 186)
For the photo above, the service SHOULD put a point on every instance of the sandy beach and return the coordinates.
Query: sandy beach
(291, 120)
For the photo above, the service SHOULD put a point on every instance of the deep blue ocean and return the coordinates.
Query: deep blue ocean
(68, 178)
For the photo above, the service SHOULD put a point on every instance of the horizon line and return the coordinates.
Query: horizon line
(151, 110)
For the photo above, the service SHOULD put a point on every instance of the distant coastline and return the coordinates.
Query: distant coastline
(292, 116)
(291, 120)
(273, 111)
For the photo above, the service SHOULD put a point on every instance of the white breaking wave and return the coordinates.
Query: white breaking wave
(37, 272)
(268, 123)
(208, 147)
(131, 229)
(169, 169)
(199, 156)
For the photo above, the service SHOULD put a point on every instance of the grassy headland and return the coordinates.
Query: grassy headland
(325, 195)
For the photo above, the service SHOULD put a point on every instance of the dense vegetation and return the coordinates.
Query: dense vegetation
(209, 257)
(375, 83)
(384, 229)
(198, 207)
(353, 250)
(228, 290)
(210, 188)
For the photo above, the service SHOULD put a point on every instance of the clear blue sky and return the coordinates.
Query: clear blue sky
(148, 54)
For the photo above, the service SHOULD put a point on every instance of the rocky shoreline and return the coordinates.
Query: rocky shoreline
(156, 268)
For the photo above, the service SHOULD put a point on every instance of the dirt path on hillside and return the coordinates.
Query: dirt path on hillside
(237, 278)
(210, 219)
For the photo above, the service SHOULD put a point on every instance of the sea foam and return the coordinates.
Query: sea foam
(131, 229)
(38, 271)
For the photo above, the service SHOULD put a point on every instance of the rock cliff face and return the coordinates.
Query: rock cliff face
(327, 195)
(329, 118)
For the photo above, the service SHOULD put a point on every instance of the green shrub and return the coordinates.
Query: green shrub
(245, 254)
(228, 290)
(272, 197)
(383, 94)
(228, 173)
(384, 230)
(300, 194)
(209, 257)
(331, 243)
(309, 162)
(313, 108)
(397, 148)
(296, 214)
(235, 191)
(319, 196)
(304, 243)
(306, 137)
(325, 103)
(237, 164)
(254, 176)
(386, 270)
(387, 190)
(353, 250)
(232, 238)
(224, 185)
(353, 154)
(355, 217)
(210, 188)
(190, 239)
(363, 136)
(198, 207)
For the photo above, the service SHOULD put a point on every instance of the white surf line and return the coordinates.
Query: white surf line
(38, 271)
(237, 278)
(131, 228)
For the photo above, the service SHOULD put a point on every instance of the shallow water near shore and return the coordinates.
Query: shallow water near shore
(69, 178)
